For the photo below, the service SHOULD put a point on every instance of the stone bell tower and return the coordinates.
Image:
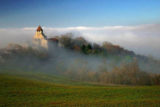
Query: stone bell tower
(39, 39)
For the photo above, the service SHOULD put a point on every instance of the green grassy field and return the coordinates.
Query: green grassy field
(40, 90)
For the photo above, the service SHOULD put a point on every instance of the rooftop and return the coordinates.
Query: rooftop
(39, 28)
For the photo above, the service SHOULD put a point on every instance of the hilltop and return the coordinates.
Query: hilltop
(76, 58)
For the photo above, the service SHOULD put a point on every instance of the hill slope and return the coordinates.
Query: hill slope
(17, 91)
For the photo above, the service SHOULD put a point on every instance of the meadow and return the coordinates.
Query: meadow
(28, 89)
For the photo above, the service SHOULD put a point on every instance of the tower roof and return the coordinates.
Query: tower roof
(39, 28)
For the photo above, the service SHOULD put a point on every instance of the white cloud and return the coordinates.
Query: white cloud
(143, 39)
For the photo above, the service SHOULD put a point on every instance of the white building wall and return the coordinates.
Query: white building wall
(40, 40)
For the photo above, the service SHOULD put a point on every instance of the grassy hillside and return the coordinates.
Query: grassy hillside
(34, 89)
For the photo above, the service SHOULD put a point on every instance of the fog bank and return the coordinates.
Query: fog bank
(142, 39)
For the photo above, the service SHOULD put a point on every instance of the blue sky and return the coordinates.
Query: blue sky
(138, 21)
(66, 13)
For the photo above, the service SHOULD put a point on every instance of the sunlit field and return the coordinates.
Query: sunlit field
(37, 89)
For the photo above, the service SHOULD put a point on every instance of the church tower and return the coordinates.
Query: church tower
(39, 39)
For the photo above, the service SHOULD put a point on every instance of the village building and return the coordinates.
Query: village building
(41, 41)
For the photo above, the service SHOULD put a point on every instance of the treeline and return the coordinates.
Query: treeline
(16, 50)
(107, 50)
(126, 74)
(81, 45)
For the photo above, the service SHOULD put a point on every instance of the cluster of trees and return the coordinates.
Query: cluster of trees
(82, 45)
(17, 55)
(126, 74)
(129, 73)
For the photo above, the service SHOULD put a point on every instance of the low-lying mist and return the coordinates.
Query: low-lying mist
(96, 62)
(110, 69)
(142, 39)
